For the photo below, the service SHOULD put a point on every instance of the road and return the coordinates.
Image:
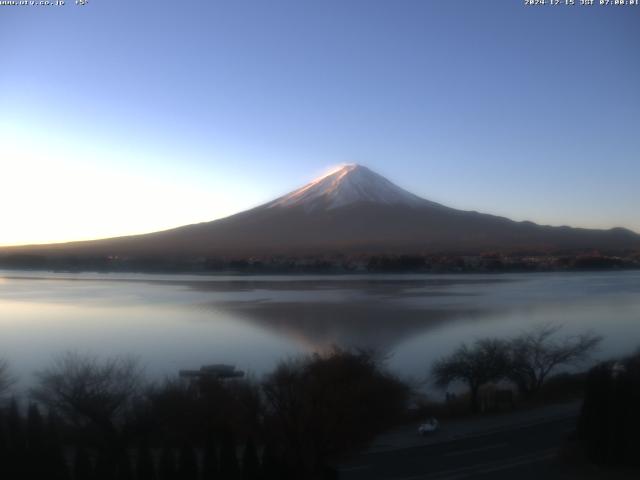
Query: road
(519, 453)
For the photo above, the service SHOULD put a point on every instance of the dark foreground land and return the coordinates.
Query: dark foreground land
(500, 262)
(310, 415)
(524, 452)
(530, 452)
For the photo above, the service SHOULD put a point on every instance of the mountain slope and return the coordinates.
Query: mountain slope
(351, 210)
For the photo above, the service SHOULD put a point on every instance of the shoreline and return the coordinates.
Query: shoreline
(311, 272)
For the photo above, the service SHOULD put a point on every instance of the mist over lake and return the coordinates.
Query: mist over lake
(173, 322)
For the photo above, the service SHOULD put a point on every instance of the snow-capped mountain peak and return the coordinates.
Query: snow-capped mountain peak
(348, 184)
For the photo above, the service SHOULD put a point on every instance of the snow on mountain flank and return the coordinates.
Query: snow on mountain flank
(350, 184)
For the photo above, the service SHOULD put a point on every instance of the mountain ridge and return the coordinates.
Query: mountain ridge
(350, 210)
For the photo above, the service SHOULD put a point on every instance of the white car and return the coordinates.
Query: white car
(430, 426)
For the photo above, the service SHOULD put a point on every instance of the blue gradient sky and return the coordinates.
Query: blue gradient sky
(123, 117)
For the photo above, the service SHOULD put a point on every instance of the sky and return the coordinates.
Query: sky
(123, 117)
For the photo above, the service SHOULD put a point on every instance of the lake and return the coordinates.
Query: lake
(173, 322)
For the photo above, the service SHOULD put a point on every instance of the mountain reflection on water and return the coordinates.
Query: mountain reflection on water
(172, 322)
(320, 326)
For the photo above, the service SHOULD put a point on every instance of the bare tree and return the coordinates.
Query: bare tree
(87, 390)
(487, 360)
(324, 406)
(537, 353)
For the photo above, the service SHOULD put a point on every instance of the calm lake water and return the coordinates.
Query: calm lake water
(173, 321)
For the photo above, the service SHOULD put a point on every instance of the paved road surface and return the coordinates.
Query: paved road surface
(519, 453)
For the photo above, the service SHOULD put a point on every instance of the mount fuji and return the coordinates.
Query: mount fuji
(350, 210)
(345, 186)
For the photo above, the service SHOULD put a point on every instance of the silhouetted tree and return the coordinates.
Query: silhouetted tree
(124, 469)
(187, 463)
(105, 466)
(5, 460)
(250, 461)
(487, 360)
(17, 441)
(16, 426)
(271, 465)
(85, 389)
(173, 407)
(82, 466)
(536, 353)
(145, 466)
(167, 469)
(35, 429)
(322, 407)
(228, 459)
(610, 420)
(58, 469)
(210, 469)
(36, 443)
(330, 473)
